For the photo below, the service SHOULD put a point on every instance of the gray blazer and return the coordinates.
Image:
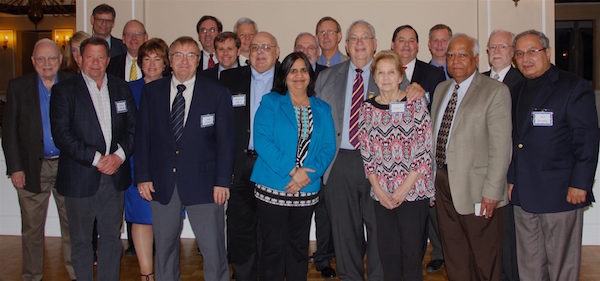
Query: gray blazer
(331, 87)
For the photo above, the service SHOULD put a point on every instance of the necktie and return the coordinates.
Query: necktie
(211, 61)
(133, 70)
(357, 98)
(496, 76)
(178, 112)
(442, 68)
(404, 67)
(328, 63)
(444, 132)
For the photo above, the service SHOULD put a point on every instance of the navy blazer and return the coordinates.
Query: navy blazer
(76, 132)
(428, 77)
(276, 141)
(548, 160)
(117, 47)
(203, 159)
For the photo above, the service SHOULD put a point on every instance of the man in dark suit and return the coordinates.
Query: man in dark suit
(184, 160)
(32, 158)
(500, 54)
(248, 85)
(125, 65)
(93, 121)
(103, 21)
(555, 152)
(208, 27)
(227, 50)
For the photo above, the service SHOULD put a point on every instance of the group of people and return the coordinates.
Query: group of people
(493, 168)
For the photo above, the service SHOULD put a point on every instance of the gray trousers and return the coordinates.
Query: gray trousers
(351, 209)
(208, 227)
(549, 244)
(34, 208)
(106, 206)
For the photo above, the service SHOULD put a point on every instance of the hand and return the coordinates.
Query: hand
(145, 189)
(414, 91)
(431, 203)
(301, 177)
(399, 195)
(18, 179)
(109, 164)
(487, 207)
(576, 195)
(510, 188)
(385, 199)
(220, 194)
(292, 187)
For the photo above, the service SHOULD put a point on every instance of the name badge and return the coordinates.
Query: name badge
(542, 118)
(121, 106)
(207, 120)
(238, 100)
(398, 107)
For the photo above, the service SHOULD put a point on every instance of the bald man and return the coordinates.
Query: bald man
(125, 65)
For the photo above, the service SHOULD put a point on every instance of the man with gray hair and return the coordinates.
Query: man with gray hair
(472, 139)
(245, 29)
(32, 157)
(555, 153)
(329, 33)
(306, 43)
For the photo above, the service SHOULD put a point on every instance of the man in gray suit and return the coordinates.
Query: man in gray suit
(472, 125)
(350, 206)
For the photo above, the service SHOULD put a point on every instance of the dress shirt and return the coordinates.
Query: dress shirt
(444, 66)
(101, 101)
(337, 58)
(501, 73)
(188, 93)
(50, 149)
(260, 85)
(366, 74)
(206, 57)
(128, 62)
(462, 90)
(243, 60)
(410, 69)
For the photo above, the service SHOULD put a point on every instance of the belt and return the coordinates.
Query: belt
(51, 158)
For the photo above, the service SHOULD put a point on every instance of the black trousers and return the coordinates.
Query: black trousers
(325, 252)
(284, 233)
(401, 233)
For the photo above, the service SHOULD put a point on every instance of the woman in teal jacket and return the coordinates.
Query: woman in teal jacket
(295, 141)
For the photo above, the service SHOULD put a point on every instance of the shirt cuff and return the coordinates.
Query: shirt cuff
(120, 152)
(96, 158)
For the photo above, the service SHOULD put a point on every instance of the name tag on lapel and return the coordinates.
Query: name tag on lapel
(207, 120)
(238, 100)
(542, 118)
(121, 106)
(398, 107)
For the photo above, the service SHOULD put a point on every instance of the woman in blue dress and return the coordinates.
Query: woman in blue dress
(153, 60)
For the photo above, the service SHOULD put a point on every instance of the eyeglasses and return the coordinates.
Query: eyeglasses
(461, 56)
(42, 60)
(208, 30)
(355, 39)
(180, 56)
(500, 47)
(530, 52)
(103, 21)
(135, 34)
(328, 32)
(264, 47)
(302, 49)
(247, 35)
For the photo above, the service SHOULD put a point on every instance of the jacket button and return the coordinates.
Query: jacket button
(177, 152)
(174, 170)
(520, 145)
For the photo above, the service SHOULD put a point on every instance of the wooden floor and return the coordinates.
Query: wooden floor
(191, 262)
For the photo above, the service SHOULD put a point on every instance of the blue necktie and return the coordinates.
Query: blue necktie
(177, 113)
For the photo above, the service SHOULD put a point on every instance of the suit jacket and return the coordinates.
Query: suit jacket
(319, 68)
(276, 141)
(428, 76)
(548, 160)
(116, 66)
(117, 47)
(204, 157)
(512, 79)
(22, 133)
(331, 87)
(76, 131)
(479, 146)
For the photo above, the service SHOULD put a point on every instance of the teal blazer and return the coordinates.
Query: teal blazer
(276, 142)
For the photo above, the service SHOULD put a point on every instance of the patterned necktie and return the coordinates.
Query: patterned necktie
(178, 112)
(444, 132)
(358, 88)
(133, 70)
(496, 76)
(211, 61)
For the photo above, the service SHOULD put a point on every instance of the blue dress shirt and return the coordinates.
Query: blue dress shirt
(50, 149)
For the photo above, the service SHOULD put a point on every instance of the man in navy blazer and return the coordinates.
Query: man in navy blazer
(186, 162)
(93, 121)
(555, 152)
(103, 21)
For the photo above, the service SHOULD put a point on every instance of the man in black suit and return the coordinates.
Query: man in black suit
(93, 122)
(125, 65)
(500, 54)
(227, 50)
(103, 21)
(32, 158)
(208, 27)
(307, 44)
(247, 85)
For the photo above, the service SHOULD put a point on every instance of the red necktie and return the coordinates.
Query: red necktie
(404, 67)
(358, 88)
(211, 62)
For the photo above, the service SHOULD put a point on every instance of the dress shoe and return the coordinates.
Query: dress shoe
(434, 266)
(328, 273)
(130, 251)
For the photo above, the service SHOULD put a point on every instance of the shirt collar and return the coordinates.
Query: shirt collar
(263, 76)
(501, 73)
(188, 84)
(464, 85)
(89, 81)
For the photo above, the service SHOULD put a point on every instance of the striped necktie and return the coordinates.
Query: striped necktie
(178, 113)
(444, 132)
(358, 88)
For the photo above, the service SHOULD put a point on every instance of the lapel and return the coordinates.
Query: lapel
(469, 97)
(339, 79)
(416, 77)
(163, 105)
(86, 101)
(35, 98)
(541, 97)
(113, 95)
(287, 108)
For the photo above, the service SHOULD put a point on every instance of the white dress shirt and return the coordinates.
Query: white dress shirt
(502, 73)
(188, 93)
(128, 63)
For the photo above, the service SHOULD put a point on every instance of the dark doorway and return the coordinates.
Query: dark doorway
(28, 41)
(575, 47)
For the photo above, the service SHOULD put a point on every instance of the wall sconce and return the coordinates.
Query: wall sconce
(6, 38)
(62, 37)
(516, 2)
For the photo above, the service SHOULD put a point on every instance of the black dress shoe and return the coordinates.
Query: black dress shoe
(434, 266)
(328, 273)
(130, 251)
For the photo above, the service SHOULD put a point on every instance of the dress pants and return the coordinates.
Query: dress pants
(549, 244)
(510, 270)
(434, 235)
(401, 233)
(325, 252)
(472, 245)
(106, 206)
(285, 232)
(351, 210)
(208, 226)
(34, 208)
